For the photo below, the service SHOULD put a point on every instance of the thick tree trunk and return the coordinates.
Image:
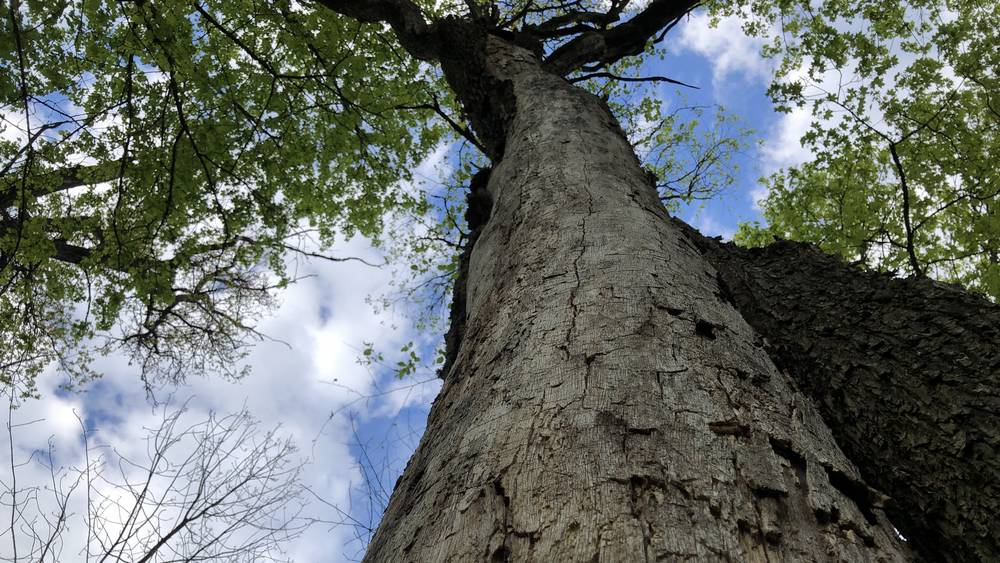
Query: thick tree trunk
(905, 371)
(606, 402)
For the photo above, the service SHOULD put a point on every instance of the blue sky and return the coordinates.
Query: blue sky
(726, 66)
(354, 424)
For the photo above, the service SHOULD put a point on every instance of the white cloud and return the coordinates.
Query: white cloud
(709, 225)
(13, 127)
(324, 320)
(757, 194)
(783, 147)
(731, 51)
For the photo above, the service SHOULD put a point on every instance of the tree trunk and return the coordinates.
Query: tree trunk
(606, 402)
(905, 371)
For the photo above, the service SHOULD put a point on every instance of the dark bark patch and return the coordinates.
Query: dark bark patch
(905, 373)
(672, 311)
(477, 212)
(785, 450)
(479, 201)
(489, 101)
(705, 329)
(769, 492)
(827, 516)
(730, 427)
(724, 293)
(854, 490)
(500, 554)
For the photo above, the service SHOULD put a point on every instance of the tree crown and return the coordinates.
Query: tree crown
(158, 159)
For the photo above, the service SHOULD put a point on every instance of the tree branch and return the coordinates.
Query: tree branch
(629, 38)
(554, 27)
(465, 132)
(66, 178)
(405, 18)
(613, 76)
(907, 224)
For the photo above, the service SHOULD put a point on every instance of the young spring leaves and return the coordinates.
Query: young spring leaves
(903, 138)
(157, 160)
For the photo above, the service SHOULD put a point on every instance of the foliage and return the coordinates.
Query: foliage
(903, 137)
(692, 160)
(157, 160)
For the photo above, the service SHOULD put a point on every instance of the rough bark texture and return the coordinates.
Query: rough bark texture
(606, 402)
(905, 371)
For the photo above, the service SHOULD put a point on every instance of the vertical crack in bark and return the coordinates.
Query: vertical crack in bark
(502, 553)
(576, 266)
(636, 486)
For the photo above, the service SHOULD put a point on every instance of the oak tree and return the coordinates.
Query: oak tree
(616, 386)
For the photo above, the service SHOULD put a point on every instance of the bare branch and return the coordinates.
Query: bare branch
(613, 76)
(465, 132)
(629, 38)
(907, 223)
(218, 489)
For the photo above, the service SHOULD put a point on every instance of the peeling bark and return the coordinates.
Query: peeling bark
(905, 371)
(606, 403)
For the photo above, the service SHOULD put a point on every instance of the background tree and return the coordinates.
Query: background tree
(214, 490)
(903, 138)
(156, 167)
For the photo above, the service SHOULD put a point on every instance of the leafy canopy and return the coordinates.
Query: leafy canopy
(903, 138)
(157, 159)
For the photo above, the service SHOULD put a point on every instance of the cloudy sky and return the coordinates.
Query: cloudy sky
(354, 426)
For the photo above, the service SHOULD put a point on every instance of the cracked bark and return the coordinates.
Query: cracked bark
(606, 403)
(906, 373)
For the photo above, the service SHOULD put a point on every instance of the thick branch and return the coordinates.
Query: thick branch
(614, 76)
(64, 179)
(404, 16)
(629, 38)
(70, 253)
(905, 188)
(905, 371)
(554, 26)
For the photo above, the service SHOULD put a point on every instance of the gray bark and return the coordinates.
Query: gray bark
(606, 403)
(905, 371)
